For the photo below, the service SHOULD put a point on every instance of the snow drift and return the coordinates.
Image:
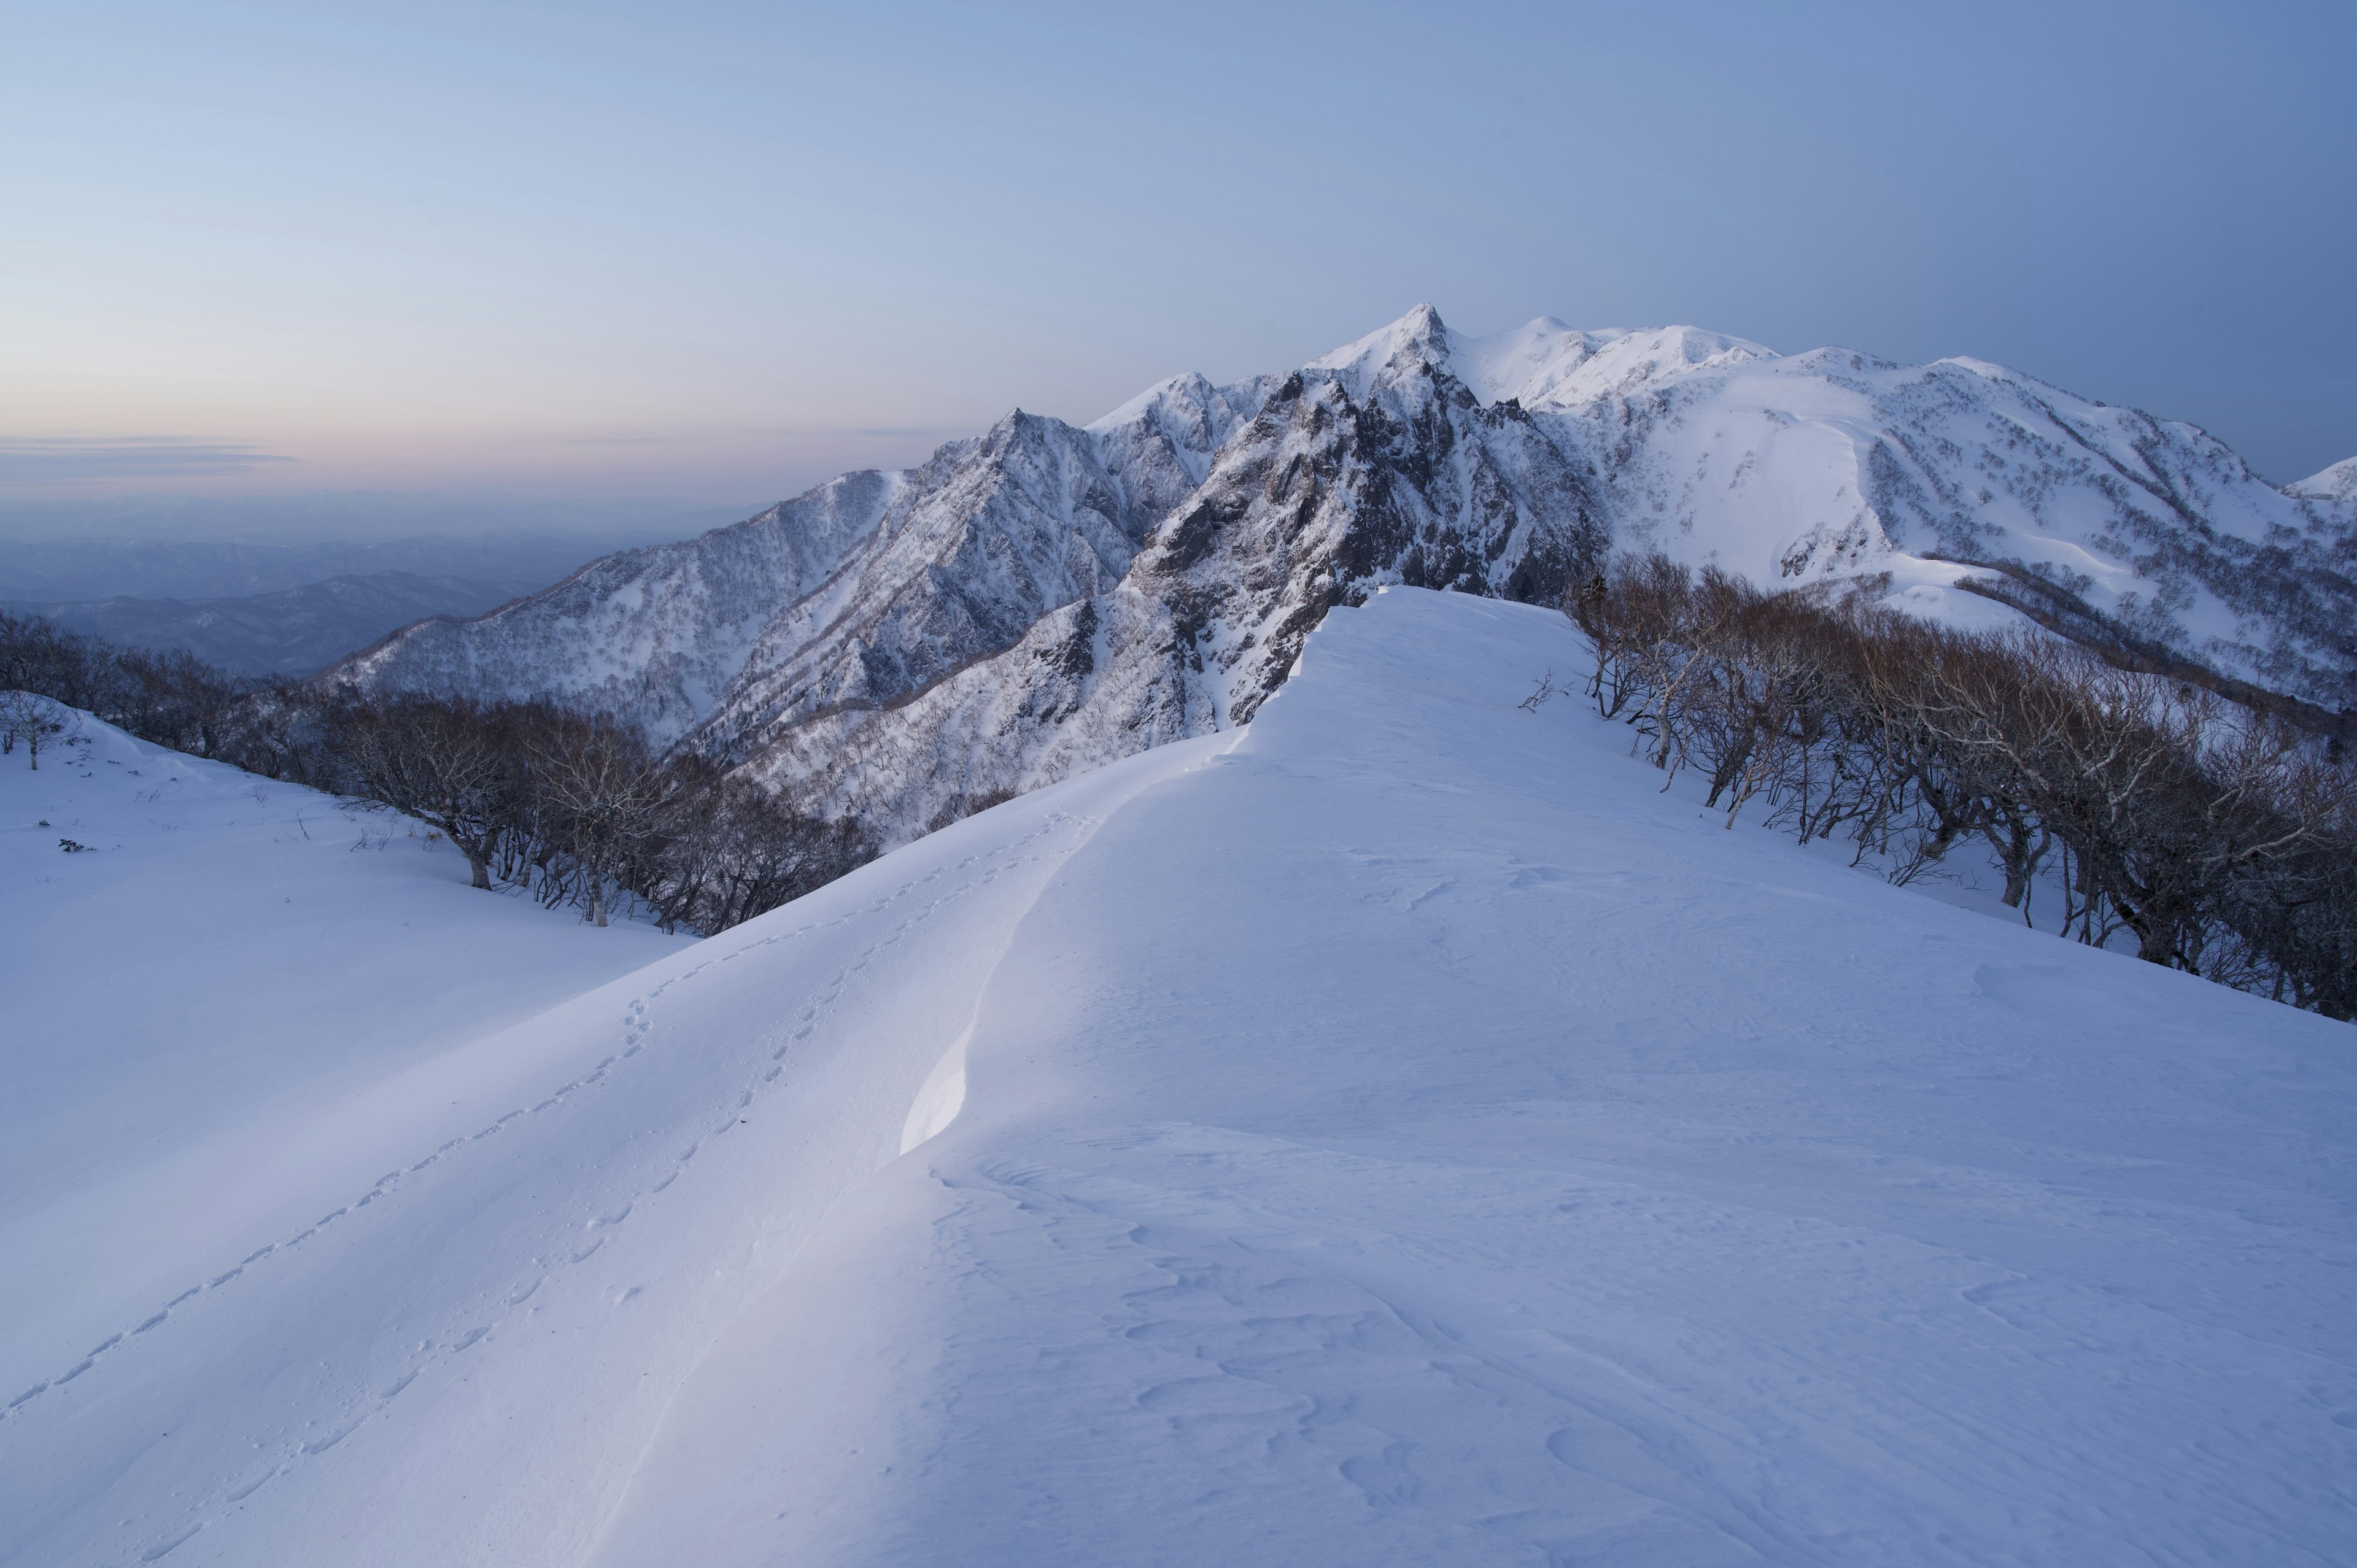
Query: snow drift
(1394, 1134)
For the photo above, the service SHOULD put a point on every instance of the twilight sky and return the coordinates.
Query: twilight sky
(711, 253)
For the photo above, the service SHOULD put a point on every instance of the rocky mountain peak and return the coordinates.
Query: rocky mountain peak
(1418, 344)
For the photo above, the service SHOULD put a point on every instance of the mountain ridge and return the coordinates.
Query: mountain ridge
(1044, 597)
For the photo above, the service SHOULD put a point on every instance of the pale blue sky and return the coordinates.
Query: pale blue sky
(715, 252)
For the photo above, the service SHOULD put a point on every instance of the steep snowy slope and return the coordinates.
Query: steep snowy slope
(191, 1006)
(854, 597)
(1403, 1136)
(656, 633)
(433, 1335)
(2120, 529)
(1349, 476)
(1046, 598)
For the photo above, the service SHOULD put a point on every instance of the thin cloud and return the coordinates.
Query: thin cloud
(794, 432)
(52, 458)
(824, 432)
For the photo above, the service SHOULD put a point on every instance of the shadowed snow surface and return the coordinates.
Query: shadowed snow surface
(1397, 1135)
(200, 1012)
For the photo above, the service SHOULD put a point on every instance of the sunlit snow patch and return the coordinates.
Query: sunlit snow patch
(942, 1098)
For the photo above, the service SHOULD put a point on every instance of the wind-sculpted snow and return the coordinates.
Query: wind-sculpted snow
(1395, 1134)
(541, 1188)
(1046, 598)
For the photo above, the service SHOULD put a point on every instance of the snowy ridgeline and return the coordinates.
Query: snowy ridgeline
(1393, 1133)
(1045, 598)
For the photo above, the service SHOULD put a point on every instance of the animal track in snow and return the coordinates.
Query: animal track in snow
(973, 873)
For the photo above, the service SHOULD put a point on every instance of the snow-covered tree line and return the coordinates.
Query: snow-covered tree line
(577, 809)
(2222, 838)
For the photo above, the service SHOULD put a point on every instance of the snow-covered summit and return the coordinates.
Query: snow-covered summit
(1541, 361)
(1547, 362)
(2335, 487)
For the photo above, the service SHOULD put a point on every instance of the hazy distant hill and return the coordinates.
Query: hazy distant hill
(287, 607)
(293, 631)
(80, 570)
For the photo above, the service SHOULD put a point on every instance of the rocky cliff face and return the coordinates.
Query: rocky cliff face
(1044, 598)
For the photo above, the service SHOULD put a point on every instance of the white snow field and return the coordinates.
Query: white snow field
(195, 1013)
(1395, 1134)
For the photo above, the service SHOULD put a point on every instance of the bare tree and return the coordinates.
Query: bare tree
(35, 720)
(449, 762)
(595, 793)
(2223, 837)
(580, 808)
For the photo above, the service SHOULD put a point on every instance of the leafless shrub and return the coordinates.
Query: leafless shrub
(2223, 839)
(450, 763)
(575, 808)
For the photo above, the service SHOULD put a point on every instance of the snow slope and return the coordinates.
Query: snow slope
(1394, 1134)
(194, 1008)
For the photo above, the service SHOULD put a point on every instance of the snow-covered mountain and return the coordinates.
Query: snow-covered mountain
(1046, 597)
(1394, 1133)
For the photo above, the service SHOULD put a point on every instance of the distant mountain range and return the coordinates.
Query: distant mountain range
(277, 607)
(77, 568)
(296, 517)
(1042, 598)
(293, 631)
